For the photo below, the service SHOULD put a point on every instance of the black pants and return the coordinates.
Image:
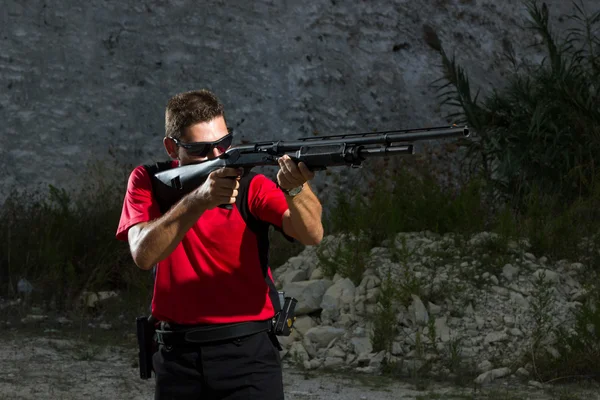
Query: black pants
(245, 368)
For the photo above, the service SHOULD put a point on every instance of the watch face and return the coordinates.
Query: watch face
(295, 191)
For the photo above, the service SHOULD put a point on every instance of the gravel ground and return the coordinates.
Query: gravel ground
(50, 368)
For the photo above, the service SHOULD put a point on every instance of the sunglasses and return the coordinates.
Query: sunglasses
(203, 149)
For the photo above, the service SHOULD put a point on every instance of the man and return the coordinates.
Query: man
(213, 290)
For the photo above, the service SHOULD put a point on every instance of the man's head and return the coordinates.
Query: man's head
(195, 128)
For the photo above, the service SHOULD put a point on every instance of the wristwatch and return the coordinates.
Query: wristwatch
(293, 191)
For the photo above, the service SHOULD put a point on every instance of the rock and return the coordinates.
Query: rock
(536, 384)
(489, 376)
(397, 349)
(509, 321)
(315, 363)
(303, 323)
(480, 322)
(419, 311)
(310, 347)
(292, 276)
(469, 310)
(322, 335)
(333, 362)
(484, 378)
(370, 282)
(344, 321)
(367, 370)
(553, 352)
(579, 295)
(63, 321)
(500, 372)
(33, 318)
(484, 366)
(494, 337)
(376, 361)
(361, 345)
(372, 295)
(350, 358)
(577, 266)
(298, 353)
(496, 329)
(337, 295)
(336, 351)
(549, 276)
(442, 330)
(316, 274)
(502, 291)
(286, 341)
(509, 272)
(91, 299)
(434, 309)
(299, 263)
(308, 293)
(516, 332)
(518, 299)
(24, 287)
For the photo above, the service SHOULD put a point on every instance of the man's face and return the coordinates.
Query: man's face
(193, 146)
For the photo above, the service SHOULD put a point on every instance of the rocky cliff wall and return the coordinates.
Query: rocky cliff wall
(89, 80)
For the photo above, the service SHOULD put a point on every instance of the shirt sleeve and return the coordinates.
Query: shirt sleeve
(267, 201)
(139, 204)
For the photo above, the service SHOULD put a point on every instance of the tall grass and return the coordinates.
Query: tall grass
(63, 241)
(541, 133)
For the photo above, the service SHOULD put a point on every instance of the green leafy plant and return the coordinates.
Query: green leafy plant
(543, 130)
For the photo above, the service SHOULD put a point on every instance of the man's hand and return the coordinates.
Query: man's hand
(291, 175)
(221, 187)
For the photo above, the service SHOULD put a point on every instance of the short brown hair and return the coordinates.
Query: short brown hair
(189, 108)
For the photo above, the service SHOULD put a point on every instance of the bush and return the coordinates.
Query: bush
(407, 200)
(542, 132)
(64, 242)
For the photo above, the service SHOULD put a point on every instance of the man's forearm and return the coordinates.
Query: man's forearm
(155, 240)
(305, 215)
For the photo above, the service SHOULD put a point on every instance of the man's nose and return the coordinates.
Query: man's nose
(216, 152)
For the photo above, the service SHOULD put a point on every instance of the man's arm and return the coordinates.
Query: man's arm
(302, 220)
(151, 242)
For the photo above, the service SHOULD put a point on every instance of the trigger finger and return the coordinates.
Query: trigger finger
(285, 168)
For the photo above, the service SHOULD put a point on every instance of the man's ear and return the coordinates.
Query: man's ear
(171, 148)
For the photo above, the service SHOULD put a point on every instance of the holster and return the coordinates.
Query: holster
(283, 324)
(146, 344)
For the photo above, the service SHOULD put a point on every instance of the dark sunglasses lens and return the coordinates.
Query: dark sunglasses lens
(199, 150)
(202, 149)
(225, 142)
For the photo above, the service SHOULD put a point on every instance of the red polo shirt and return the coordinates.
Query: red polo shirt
(214, 275)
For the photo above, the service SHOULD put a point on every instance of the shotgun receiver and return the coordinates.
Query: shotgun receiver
(318, 153)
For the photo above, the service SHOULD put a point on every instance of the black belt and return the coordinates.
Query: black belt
(181, 335)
